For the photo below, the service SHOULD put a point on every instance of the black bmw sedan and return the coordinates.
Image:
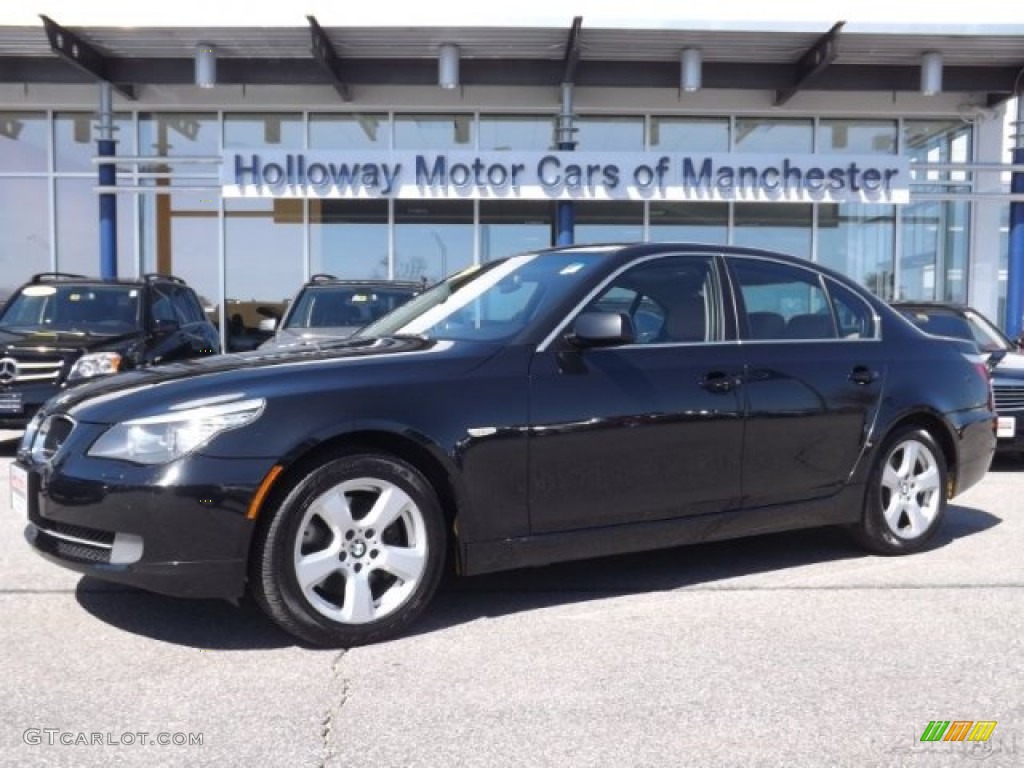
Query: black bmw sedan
(563, 404)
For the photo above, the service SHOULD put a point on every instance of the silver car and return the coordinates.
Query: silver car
(328, 307)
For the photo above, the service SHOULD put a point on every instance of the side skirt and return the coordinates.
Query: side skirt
(544, 549)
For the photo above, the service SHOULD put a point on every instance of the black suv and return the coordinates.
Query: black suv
(60, 329)
(328, 307)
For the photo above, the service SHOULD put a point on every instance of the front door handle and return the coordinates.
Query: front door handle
(861, 374)
(716, 381)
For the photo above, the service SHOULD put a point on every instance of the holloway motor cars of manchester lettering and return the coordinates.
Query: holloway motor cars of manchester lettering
(566, 175)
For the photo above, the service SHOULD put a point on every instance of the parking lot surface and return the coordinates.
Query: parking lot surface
(792, 649)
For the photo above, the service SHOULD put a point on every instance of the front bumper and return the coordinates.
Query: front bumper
(29, 399)
(178, 529)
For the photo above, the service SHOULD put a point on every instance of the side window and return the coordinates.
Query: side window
(781, 301)
(162, 308)
(195, 309)
(854, 316)
(670, 300)
(184, 309)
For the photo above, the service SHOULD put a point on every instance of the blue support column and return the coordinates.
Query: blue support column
(105, 145)
(565, 222)
(1015, 255)
(108, 213)
(565, 210)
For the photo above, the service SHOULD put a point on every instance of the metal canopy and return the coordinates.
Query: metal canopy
(813, 63)
(79, 52)
(781, 61)
(324, 53)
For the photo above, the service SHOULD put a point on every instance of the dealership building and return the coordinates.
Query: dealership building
(246, 149)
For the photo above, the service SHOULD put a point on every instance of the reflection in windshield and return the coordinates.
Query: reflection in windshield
(95, 309)
(491, 302)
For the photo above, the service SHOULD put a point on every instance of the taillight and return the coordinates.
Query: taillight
(986, 374)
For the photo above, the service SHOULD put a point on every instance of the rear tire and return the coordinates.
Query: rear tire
(905, 500)
(353, 553)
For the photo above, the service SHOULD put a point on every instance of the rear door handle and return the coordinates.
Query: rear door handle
(716, 381)
(861, 374)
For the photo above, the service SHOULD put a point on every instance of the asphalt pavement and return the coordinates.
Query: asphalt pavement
(786, 650)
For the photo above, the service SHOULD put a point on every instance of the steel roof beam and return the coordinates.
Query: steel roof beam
(324, 53)
(572, 52)
(80, 52)
(815, 60)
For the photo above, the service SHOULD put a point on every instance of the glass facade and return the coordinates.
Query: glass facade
(242, 254)
(433, 238)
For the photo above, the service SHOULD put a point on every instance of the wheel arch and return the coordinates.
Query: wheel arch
(941, 432)
(420, 453)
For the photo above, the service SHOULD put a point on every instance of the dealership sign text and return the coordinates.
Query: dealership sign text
(565, 176)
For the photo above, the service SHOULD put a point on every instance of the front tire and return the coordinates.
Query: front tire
(353, 553)
(905, 501)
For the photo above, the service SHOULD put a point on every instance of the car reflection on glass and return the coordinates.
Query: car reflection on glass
(555, 405)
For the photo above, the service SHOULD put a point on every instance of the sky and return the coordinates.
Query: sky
(796, 15)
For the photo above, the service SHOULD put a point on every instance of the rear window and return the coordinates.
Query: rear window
(940, 323)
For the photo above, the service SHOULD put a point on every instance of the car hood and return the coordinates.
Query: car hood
(13, 340)
(291, 337)
(1010, 369)
(340, 364)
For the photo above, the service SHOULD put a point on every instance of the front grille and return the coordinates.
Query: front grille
(37, 369)
(68, 531)
(54, 544)
(1009, 398)
(52, 434)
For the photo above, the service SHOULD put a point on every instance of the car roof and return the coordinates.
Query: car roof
(632, 250)
(947, 306)
(929, 303)
(67, 278)
(624, 252)
(331, 280)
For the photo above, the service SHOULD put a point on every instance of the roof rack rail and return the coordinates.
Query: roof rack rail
(46, 277)
(150, 277)
(321, 277)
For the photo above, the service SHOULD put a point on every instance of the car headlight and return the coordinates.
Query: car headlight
(169, 436)
(95, 364)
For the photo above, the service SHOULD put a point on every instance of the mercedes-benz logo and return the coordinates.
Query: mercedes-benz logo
(8, 370)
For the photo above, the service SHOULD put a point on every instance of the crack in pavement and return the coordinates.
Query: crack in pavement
(333, 713)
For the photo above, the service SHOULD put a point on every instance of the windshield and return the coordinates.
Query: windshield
(969, 325)
(334, 306)
(93, 309)
(492, 302)
(986, 335)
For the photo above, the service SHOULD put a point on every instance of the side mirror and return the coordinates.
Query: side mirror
(602, 329)
(268, 324)
(994, 359)
(166, 326)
